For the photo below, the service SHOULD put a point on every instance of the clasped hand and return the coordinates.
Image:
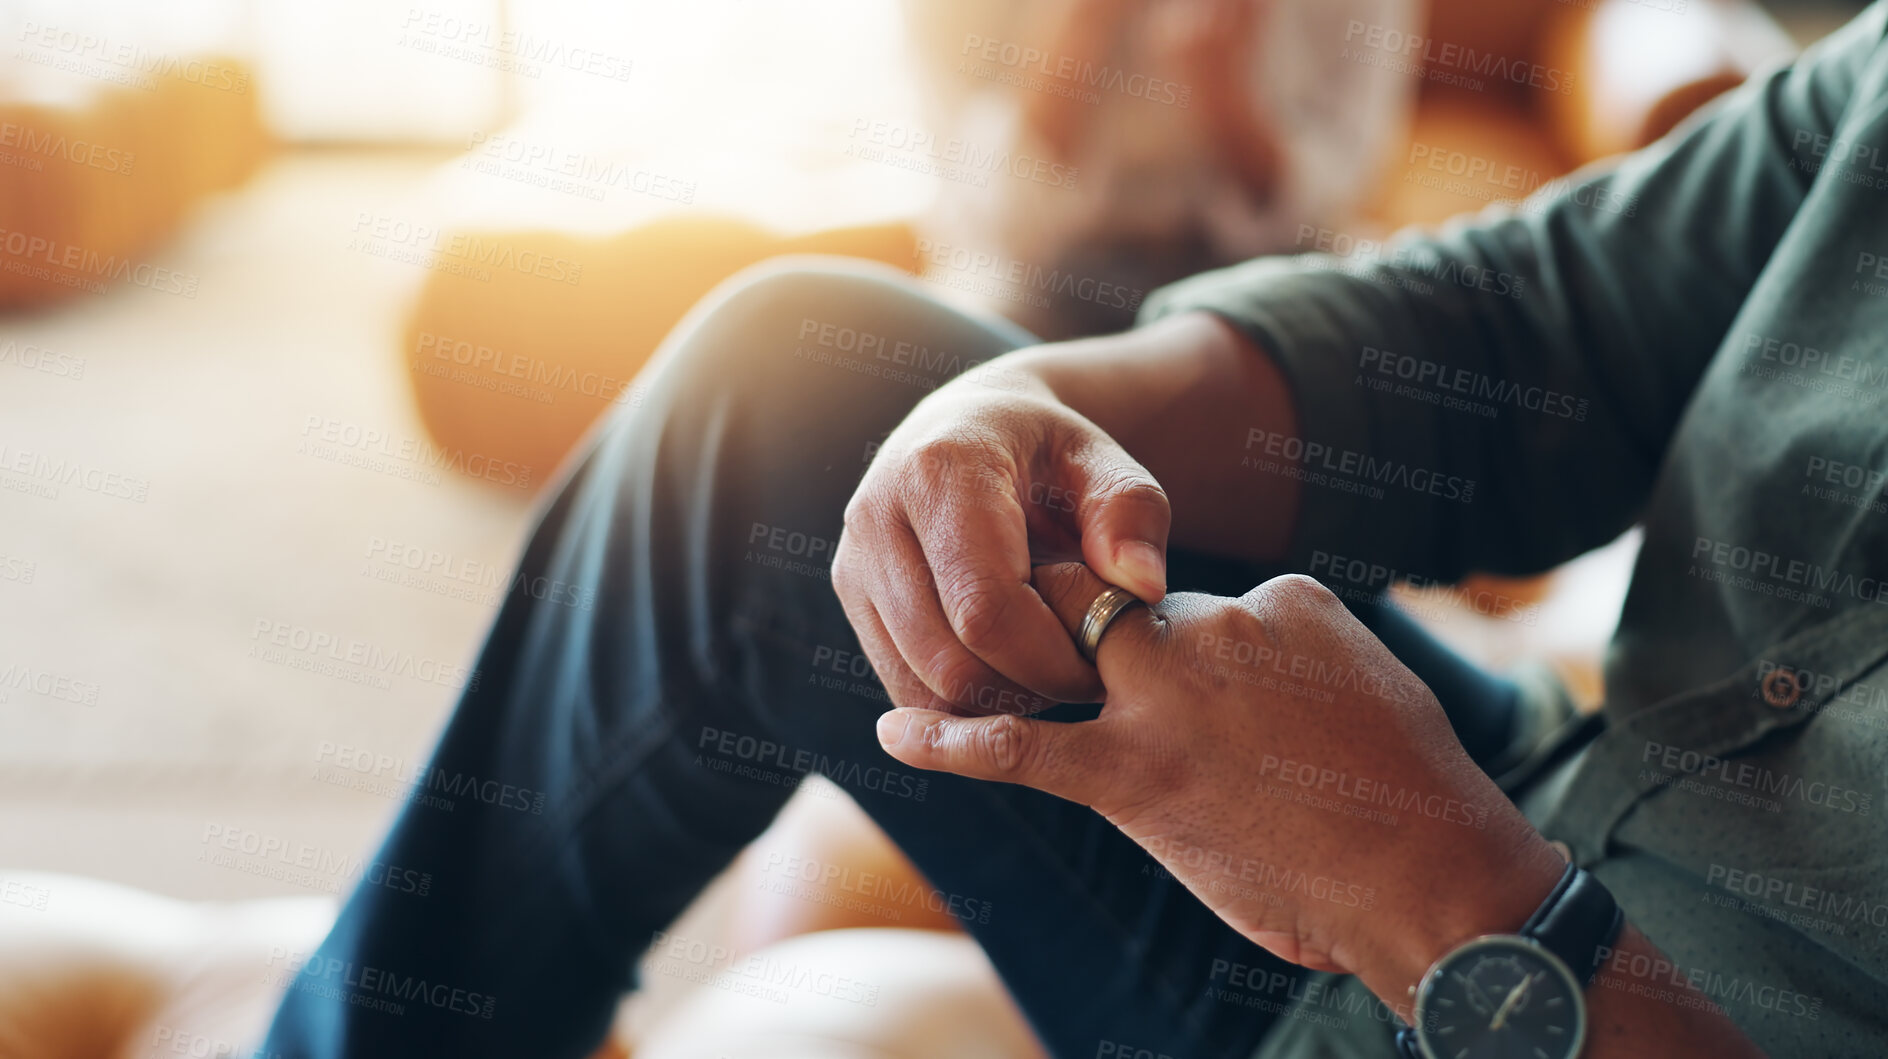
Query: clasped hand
(1275, 758)
(1268, 750)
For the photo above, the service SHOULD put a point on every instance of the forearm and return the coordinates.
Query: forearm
(1532, 363)
(1181, 395)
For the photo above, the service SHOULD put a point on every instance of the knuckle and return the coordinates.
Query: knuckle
(1298, 594)
(1240, 623)
(1128, 485)
(978, 610)
(973, 469)
(863, 513)
(1002, 743)
(1138, 489)
(935, 461)
(1192, 620)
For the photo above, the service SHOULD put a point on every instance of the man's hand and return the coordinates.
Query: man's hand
(1281, 763)
(987, 475)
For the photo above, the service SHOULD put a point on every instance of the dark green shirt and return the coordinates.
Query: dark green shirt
(1694, 337)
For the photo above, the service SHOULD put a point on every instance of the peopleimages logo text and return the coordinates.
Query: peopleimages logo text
(1794, 572)
(1427, 51)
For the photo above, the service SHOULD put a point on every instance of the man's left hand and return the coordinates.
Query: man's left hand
(1281, 763)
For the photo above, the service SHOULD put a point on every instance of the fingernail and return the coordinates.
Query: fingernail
(891, 728)
(1142, 562)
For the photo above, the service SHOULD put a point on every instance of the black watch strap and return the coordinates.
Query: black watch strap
(1579, 922)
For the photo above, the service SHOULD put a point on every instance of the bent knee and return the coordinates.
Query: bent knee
(803, 353)
(756, 321)
(788, 320)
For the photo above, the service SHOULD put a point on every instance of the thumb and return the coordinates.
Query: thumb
(1124, 517)
(1067, 760)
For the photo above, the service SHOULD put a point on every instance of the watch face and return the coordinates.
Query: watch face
(1500, 998)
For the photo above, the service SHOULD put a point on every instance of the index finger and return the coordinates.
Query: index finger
(977, 543)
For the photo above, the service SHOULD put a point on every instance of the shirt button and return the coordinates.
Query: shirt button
(1781, 688)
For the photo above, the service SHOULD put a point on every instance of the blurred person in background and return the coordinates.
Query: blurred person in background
(1187, 134)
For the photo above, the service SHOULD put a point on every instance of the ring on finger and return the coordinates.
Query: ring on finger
(1099, 615)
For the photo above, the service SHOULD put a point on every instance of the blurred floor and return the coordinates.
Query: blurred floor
(158, 604)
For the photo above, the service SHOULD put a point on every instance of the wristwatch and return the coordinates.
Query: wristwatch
(1518, 995)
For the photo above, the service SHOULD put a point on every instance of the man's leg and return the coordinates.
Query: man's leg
(669, 663)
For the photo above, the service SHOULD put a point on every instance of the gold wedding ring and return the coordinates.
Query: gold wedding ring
(1101, 612)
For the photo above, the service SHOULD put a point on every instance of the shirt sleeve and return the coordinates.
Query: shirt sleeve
(1498, 394)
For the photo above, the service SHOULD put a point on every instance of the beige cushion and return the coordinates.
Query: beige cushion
(873, 993)
(93, 970)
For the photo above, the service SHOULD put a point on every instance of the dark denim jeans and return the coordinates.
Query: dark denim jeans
(674, 641)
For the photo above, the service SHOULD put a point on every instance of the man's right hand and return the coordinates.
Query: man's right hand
(986, 478)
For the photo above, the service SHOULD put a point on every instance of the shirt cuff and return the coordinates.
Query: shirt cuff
(1298, 318)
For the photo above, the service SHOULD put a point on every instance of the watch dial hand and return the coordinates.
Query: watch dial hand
(1514, 997)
